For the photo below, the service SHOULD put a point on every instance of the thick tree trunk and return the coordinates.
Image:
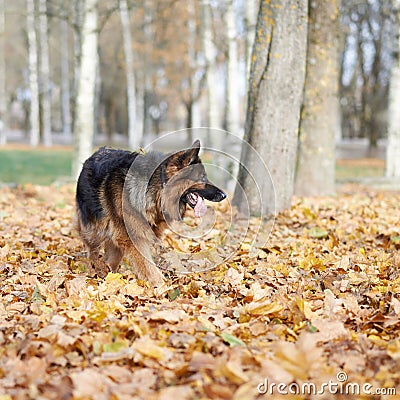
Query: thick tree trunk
(273, 110)
(45, 74)
(65, 86)
(85, 101)
(393, 146)
(3, 96)
(320, 113)
(33, 74)
(232, 95)
(134, 136)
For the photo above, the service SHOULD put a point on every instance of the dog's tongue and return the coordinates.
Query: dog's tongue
(200, 208)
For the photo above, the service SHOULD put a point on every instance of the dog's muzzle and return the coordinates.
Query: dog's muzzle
(195, 198)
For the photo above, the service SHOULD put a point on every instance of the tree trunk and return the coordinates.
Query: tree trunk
(78, 21)
(320, 113)
(45, 74)
(273, 110)
(189, 117)
(251, 16)
(65, 87)
(147, 84)
(3, 96)
(393, 146)
(232, 95)
(213, 110)
(33, 73)
(140, 106)
(192, 62)
(85, 101)
(134, 136)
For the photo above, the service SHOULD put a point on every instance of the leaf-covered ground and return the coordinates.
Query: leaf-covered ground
(321, 300)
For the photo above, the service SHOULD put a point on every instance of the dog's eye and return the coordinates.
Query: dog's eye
(204, 178)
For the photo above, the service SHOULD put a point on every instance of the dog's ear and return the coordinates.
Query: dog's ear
(183, 158)
(191, 155)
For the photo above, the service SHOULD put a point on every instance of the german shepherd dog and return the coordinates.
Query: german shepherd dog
(125, 200)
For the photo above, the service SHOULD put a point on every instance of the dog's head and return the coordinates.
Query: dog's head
(184, 173)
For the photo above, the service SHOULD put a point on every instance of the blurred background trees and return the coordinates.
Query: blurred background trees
(163, 65)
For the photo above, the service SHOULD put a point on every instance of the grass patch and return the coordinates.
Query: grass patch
(39, 166)
(44, 166)
(361, 168)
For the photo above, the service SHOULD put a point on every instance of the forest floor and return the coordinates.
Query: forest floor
(319, 306)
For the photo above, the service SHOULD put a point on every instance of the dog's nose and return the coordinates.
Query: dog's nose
(220, 195)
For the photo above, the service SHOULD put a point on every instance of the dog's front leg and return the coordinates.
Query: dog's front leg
(139, 257)
(138, 246)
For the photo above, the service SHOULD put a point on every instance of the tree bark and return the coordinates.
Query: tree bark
(3, 97)
(134, 136)
(231, 95)
(65, 86)
(45, 74)
(273, 109)
(85, 101)
(393, 146)
(320, 113)
(33, 74)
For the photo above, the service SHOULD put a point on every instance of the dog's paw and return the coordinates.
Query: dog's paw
(156, 278)
(101, 269)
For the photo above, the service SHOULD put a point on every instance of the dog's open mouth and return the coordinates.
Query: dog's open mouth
(197, 203)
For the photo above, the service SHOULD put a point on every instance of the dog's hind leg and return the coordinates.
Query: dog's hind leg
(113, 255)
(93, 242)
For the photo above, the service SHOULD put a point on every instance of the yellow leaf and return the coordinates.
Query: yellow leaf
(150, 348)
(263, 308)
(114, 277)
(233, 372)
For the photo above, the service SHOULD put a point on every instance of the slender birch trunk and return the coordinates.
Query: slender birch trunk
(139, 126)
(33, 74)
(147, 70)
(3, 98)
(134, 136)
(45, 74)
(251, 17)
(85, 101)
(78, 21)
(216, 138)
(192, 64)
(231, 94)
(393, 146)
(65, 86)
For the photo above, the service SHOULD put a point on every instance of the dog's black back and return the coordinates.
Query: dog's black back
(106, 164)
